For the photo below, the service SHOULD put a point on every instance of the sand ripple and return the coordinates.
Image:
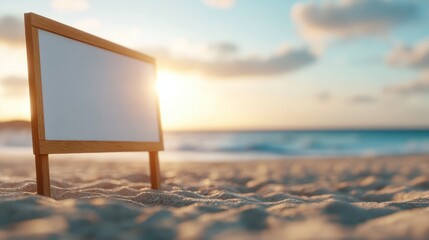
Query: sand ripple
(385, 198)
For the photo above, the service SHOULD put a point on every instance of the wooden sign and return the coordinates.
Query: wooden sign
(88, 95)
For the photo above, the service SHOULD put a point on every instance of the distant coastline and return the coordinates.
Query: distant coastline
(15, 124)
(24, 124)
(351, 129)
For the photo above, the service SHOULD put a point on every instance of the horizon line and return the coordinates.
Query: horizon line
(262, 129)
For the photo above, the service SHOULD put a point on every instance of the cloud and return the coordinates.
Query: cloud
(223, 48)
(324, 96)
(363, 99)
(70, 5)
(12, 31)
(225, 4)
(190, 49)
(415, 87)
(410, 56)
(276, 64)
(14, 86)
(343, 19)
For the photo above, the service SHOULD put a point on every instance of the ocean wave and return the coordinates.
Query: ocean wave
(275, 144)
(305, 143)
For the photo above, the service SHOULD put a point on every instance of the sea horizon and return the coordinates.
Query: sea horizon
(258, 144)
(22, 123)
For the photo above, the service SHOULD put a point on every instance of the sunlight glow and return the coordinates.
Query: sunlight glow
(167, 86)
(174, 91)
(12, 109)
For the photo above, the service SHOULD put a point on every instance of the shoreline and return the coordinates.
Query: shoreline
(26, 153)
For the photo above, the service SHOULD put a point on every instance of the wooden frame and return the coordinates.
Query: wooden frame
(41, 146)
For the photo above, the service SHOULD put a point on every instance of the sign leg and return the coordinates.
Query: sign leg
(155, 176)
(42, 175)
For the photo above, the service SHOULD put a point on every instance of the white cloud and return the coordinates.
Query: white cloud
(416, 56)
(225, 4)
(343, 19)
(12, 31)
(223, 49)
(185, 48)
(70, 5)
(363, 99)
(14, 86)
(284, 62)
(324, 96)
(417, 86)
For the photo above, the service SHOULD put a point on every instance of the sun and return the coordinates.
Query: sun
(175, 93)
(167, 86)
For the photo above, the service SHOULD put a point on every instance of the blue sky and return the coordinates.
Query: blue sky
(228, 64)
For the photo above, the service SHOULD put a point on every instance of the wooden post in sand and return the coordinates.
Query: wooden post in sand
(42, 175)
(93, 96)
(154, 170)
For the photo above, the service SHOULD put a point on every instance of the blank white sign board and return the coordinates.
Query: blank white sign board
(91, 94)
(88, 95)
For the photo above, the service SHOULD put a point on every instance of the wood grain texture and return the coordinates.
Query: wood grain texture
(43, 147)
(38, 85)
(78, 35)
(32, 82)
(49, 147)
(42, 175)
(33, 22)
(155, 175)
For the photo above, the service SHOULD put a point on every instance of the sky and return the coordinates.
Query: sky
(251, 64)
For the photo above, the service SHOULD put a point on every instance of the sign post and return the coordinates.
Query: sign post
(89, 95)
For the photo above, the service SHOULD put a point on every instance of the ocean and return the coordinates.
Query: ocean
(287, 144)
(257, 145)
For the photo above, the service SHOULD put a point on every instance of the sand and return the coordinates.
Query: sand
(356, 198)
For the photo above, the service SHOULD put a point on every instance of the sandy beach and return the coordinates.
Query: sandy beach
(356, 198)
(271, 120)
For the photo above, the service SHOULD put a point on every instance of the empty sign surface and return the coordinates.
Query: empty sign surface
(92, 94)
